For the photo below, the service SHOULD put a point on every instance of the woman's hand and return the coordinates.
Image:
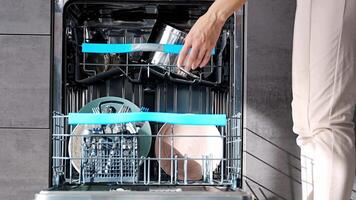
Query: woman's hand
(200, 41)
(204, 34)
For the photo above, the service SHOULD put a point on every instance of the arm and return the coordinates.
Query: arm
(203, 36)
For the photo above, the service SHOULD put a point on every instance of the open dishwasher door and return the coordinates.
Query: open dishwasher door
(127, 122)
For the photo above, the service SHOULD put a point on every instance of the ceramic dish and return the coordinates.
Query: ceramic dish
(192, 147)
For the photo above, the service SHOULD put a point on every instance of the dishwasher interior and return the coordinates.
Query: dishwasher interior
(137, 155)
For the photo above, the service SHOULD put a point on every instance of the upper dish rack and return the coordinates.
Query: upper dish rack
(89, 67)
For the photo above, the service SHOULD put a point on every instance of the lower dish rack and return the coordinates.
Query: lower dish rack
(90, 148)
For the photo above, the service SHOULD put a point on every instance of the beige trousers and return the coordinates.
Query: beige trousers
(324, 96)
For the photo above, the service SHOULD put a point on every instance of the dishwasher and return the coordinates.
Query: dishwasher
(127, 123)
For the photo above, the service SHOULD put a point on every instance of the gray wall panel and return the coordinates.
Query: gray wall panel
(271, 180)
(272, 163)
(24, 163)
(24, 81)
(25, 16)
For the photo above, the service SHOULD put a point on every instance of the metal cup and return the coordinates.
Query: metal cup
(165, 34)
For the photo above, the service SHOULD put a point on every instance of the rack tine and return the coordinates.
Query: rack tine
(144, 170)
(133, 171)
(121, 161)
(185, 169)
(172, 152)
(211, 169)
(149, 170)
(175, 168)
(71, 169)
(159, 161)
(222, 172)
(204, 167)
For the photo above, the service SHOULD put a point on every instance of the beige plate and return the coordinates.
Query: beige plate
(193, 147)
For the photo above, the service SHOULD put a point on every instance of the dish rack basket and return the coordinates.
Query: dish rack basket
(122, 165)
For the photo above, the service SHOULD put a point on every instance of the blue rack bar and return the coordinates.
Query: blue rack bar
(129, 48)
(171, 118)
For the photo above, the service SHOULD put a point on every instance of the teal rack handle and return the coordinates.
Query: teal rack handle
(129, 48)
(170, 118)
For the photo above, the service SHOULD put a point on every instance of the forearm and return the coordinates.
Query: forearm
(221, 10)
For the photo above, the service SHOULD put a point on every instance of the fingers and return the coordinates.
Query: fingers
(199, 59)
(193, 55)
(206, 59)
(191, 58)
(183, 53)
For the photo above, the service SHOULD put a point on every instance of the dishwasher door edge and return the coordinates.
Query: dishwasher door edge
(124, 195)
